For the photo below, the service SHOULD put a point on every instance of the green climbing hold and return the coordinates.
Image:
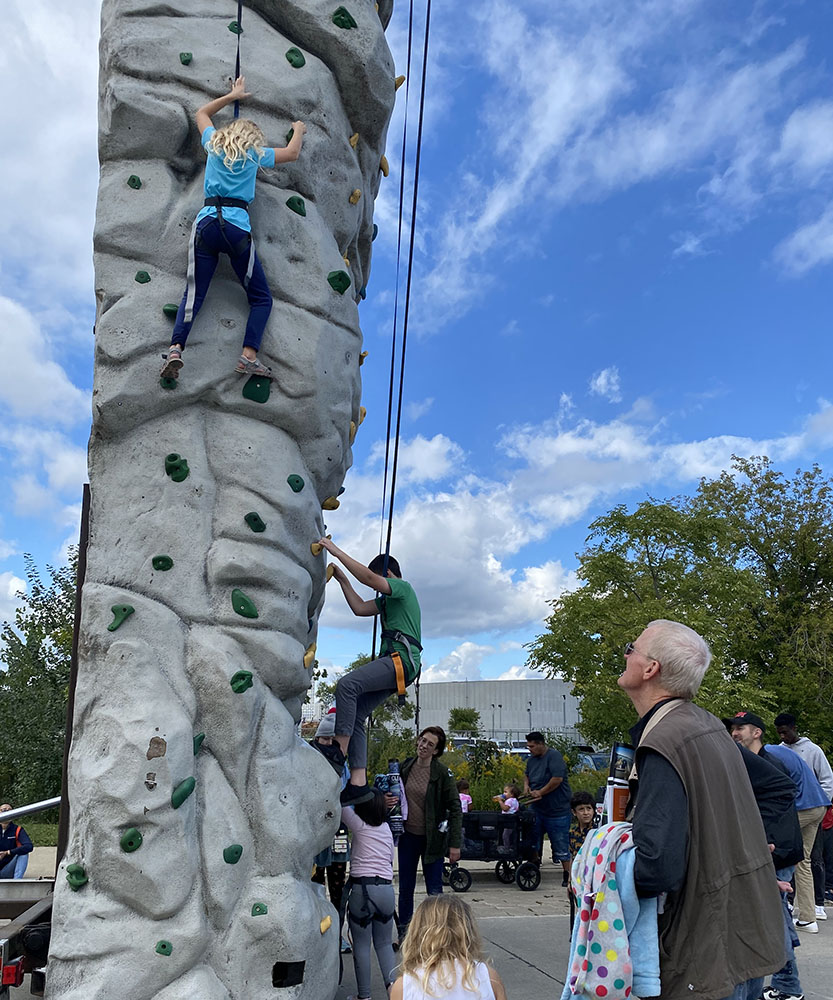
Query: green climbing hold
(134, 182)
(235, 28)
(297, 204)
(339, 280)
(186, 57)
(121, 612)
(257, 389)
(296, 483)
(163, 563)
(375, 232)
(198, 741)
(142, 277)
(260, 910)
(167, 382)
(131, 840)
(182, 791)
(76, 876)
(289, 135)
(342, 18)
(295, 57)
(255, 521)
(176, 467)
(242, 604)
(241, 681)
(164, 948)
(170, 309)
(232, 854)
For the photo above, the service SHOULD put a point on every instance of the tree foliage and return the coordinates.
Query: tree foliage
(36, 650)
(747, 562)
(464, 721)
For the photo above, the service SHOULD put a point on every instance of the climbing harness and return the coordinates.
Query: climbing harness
(370, 911)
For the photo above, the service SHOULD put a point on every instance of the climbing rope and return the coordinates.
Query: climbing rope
(239, 32)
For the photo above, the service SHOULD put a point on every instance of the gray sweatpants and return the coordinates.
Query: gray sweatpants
(357, 694)
(377, 933)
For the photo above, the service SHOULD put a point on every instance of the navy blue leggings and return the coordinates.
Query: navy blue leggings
(210, 244)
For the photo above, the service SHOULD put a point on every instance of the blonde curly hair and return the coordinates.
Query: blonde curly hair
(233, 141)
(442, 933)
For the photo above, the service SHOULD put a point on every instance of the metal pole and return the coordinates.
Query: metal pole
(33, 807)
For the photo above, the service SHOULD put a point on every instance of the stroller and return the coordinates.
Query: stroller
(508, 839)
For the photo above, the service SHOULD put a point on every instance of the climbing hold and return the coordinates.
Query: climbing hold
(241, 681)
(353, 429)
(131, 840)
(384, 166)
(362, 356)
(375, 232)
(296, 483)
(242, 604)
(164, 948)
(346, 260)
(150, 780)
(163, 563)
(354, 139)
(316, 548)
(170, 309)
(186, 57)
(362, 414)
(198, 741)
(134, 182)
(341, 490)
(182, 791)
(157, 747)
(342, 18)
(76, 876)
(232, 854)
(295, 57)
(297, 204)
(142, 277)
(289, 135)
(259, 909)
(235, 28)
(255, 521)
(326, 924)
(397, 83)
(331, 503)
(339, 280)
(330, 570)
(167, 382)
(121, 612)
(176, 467)
(257, 389)
(355, 197)
(309, 656)
(363, 292)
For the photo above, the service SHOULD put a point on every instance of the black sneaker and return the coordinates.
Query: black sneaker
(565, 879)
(771, 993)
(334, 755)
(354, 795)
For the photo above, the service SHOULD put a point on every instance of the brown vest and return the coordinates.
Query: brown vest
(726, 924)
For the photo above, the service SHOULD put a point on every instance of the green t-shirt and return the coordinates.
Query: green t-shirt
(402, 614)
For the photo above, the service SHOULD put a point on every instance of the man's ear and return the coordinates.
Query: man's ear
(652, 670)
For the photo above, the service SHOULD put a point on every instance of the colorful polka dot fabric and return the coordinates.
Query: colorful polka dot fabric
(601, 965)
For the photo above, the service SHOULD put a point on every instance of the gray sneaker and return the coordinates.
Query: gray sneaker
(246, 367)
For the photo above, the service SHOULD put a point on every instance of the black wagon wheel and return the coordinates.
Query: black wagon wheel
(460, 879)
(448, 868)
(505, 871)
(528, 876)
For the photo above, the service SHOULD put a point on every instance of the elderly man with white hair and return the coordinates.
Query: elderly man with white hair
(700, 844)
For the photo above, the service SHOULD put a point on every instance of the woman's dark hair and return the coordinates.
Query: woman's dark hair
(462, 785)
(377, 565)
(582, 799)
(440, 734)
(374, 812)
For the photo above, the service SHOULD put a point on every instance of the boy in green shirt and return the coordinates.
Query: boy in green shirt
(361, 690)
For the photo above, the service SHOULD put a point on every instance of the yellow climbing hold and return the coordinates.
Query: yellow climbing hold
(362, 356)
(346, 260)
(309, 656)
(384, 166)
(330, 570)
(326, 924)
(317, 548)
(353, 429)
(354, 139)
(355, 197)
(397, 83)
(362, 414)
(331, 503)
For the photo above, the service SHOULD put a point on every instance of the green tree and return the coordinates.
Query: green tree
(35, 651)
(464, 721)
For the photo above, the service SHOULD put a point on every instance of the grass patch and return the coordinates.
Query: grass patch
(42, 834)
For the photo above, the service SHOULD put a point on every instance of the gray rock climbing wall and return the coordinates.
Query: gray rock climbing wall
(195, 808)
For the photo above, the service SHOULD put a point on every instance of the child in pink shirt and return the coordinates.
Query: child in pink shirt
(463, 792)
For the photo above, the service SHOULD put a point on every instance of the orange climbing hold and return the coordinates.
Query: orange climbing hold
(384, 166)
(397, 83)
(355, 197)
(354, 139)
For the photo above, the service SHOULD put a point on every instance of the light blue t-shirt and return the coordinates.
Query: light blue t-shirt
(237, 183)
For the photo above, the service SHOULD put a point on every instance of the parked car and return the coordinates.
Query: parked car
(595, 761)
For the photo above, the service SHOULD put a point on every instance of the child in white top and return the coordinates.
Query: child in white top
(463, 792)
(442, 956)
(509, 804)
(370, 898)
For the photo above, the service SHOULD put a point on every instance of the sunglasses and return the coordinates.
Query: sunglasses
(630, 647)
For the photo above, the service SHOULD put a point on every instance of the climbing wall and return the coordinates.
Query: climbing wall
(195, 808)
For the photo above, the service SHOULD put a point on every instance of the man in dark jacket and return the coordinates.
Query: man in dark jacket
(15, 847)
(699, 839)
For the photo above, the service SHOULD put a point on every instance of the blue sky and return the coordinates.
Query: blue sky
(624, 254)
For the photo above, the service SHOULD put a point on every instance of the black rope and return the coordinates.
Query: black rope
(237, 64)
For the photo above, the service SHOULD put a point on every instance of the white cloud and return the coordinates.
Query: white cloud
(809, 246)
(462, 663)
(417, 409)
(519, 673)
(606, 383)
(10, 586)
(807, 141)
(689, 245)
(422, 459)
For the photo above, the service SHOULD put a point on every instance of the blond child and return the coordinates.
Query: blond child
(508, 802)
